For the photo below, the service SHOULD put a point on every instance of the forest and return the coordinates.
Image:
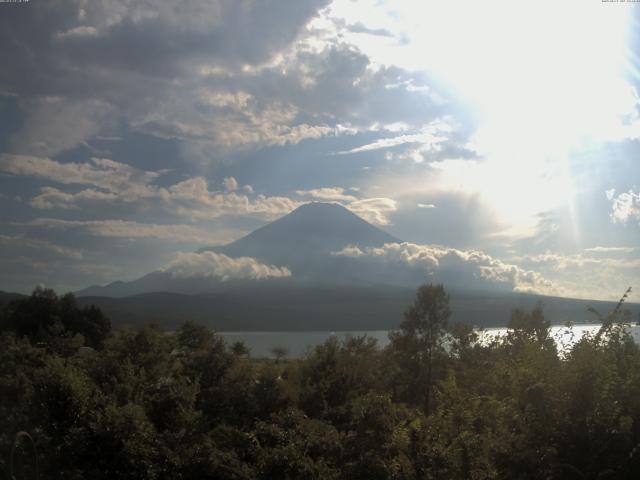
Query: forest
(97, 402)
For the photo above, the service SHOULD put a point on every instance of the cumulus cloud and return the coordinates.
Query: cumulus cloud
(625, 207)
(101, 172)
(115, 183)
(50, 198)
(221, 267)
(230, 184)
(599, 272)
(471, 269)
(21, 242)
(130, 229)
(82, 69)
(373, 210)
(330, 194)
(194, 199)
(155, 37)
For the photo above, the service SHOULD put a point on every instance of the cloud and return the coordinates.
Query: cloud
(560, 262)
(20, 242)
(470, 269)
(574, 262)
(625, 207)
(104, 173)
(87, 70)
(50, 198)
(600, 273)
(230, 184)
(336, 194)
(359, 27)
(80, 31)
(56, 123)
(86, 67)
(428, 139)
(221, 267)
(373, 210)
(599, 249)
(117, 184)
(191, 198)
(130, 229)
(194, 199)
(155, 37)
(426, 205)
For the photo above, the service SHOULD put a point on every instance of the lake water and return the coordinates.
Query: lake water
(297, 343)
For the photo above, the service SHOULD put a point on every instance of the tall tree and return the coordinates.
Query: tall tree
(420, 340)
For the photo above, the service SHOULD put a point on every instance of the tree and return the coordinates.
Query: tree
(279, 352)
(193, 336)
(240, 349)
(46, 317)
(420, 341)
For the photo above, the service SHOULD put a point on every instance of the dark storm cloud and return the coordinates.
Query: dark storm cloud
(339, 83)
(191, 72)
(45, 42)
(88, 64)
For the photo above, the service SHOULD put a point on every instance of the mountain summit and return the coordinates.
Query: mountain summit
(310, 231)
(302, 241)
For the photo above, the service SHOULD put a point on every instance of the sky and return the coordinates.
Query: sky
(502, 133)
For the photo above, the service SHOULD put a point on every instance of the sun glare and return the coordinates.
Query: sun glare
(541, 82)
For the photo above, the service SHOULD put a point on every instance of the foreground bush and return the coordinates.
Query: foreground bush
(433, 404)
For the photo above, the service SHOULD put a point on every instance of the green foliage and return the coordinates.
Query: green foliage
(419, 345)
(45, 317)
(240, 349)
(334, 373)
(295, 446)
(279, 352)
(435, 403)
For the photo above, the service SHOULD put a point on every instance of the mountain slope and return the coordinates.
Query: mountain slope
(314, 229)
(270, 308)
(324, 292)
(302, 241)
(6, 297)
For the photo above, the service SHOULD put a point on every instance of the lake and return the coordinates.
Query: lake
(297, 343)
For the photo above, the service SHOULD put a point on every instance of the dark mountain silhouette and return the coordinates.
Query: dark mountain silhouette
(312, 230)
(264, 307)
(270, 307)
(325, 291)
(303, 241)
(6, 297)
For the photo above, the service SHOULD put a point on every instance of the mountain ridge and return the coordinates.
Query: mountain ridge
(317, 227)
(268, 308)
(304, 241)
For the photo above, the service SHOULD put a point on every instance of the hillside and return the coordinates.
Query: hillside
(302, 241)
(305, 308)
